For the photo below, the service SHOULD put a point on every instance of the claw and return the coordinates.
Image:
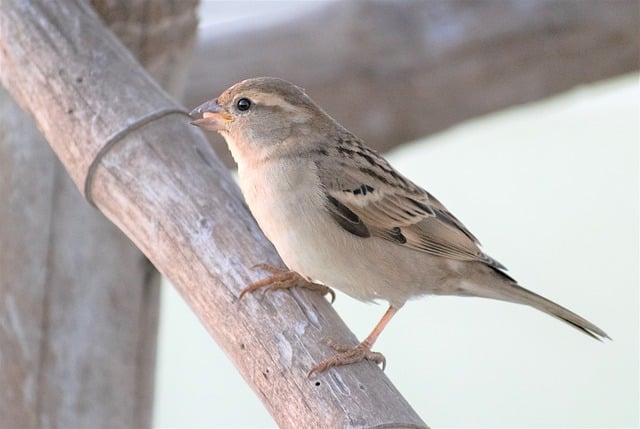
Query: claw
(348, 355)
(269, 268)
(284, 279)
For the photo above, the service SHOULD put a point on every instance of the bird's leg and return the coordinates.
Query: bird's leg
(285, 279)
(349, 354)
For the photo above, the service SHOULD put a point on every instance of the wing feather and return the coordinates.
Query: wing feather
(367, 197)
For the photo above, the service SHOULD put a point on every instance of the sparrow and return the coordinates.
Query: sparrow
(340, 215)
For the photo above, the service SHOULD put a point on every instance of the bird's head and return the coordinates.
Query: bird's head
(262, 113)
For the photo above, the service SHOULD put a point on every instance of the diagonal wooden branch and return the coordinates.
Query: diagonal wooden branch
(163, 186)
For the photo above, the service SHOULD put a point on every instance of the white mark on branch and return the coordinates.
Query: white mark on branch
(300, 327)
(15, 325)
(309, 312)
(284, 350)
(340, 384)
(29, 388)
(204, 232)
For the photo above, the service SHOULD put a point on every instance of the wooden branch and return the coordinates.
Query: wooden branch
(78, 301)
(159, 34)
(161, 183)
(396, 71)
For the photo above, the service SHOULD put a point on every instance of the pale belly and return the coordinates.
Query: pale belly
(289, 209)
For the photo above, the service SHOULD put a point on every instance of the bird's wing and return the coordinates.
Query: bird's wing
(367, 197)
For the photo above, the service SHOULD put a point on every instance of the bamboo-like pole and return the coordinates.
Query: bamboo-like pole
(154, 175)
(78, 301)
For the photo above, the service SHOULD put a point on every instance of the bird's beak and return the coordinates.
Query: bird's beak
(210, 116)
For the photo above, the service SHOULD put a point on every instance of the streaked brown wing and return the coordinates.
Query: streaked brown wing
(369, 201)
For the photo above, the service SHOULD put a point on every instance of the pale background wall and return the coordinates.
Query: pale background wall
(551, 189)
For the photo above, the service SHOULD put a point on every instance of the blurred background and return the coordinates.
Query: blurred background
(549, 186)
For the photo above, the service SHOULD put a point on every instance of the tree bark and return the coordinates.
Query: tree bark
(78, 301)
(124, 142)
(396, 71)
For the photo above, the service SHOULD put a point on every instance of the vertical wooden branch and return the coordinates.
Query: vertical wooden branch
(161, 183)
(78, 308)
(78, 301)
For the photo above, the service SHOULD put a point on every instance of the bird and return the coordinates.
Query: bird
(340, 216)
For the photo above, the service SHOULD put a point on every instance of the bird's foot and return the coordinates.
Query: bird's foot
(285, 279)
(348, 355)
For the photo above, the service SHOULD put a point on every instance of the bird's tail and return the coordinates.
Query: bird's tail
(510, 291)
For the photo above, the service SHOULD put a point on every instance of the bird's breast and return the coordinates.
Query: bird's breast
(286, 200)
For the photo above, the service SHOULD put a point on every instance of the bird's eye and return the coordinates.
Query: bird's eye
(243, 104)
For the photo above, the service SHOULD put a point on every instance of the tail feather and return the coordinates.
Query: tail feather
(508, 291)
